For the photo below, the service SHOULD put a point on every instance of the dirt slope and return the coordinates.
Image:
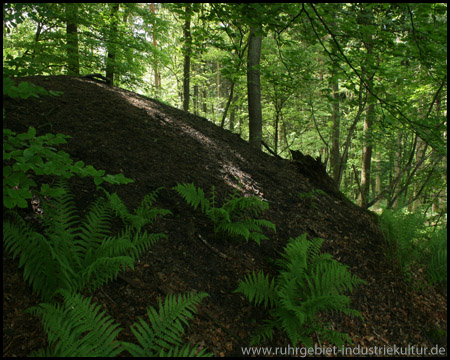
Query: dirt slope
(158, 145)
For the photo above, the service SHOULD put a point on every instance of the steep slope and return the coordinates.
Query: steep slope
(158, 145)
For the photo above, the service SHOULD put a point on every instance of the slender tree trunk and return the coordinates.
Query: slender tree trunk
(367, 153)
(205, 105)
(397, 167)
(377, 177)
(157, 77)
(73, 60)
(230, 98)
(254, 88)
(335, 156)
(111, 57)
(187, 56)
(420, 153)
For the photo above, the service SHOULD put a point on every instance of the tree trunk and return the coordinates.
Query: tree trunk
(187, 57)
(111, 57)
(157, 77)
(254, 88)
(335, 118)
(367, 153)
(73, 60)
(227, 106)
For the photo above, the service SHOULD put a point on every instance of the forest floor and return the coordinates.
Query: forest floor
(160, 146)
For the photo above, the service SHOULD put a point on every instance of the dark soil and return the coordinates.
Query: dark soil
(159, 146)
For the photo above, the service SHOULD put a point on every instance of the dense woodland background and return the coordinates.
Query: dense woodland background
(364, 86)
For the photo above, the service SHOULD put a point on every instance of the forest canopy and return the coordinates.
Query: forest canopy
(363, 86)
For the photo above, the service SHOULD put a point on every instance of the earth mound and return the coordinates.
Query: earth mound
(157, 145)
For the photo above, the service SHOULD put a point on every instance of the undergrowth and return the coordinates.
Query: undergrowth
(79, 328)
(308, 284)
(411, 247)
(74, 253)
(71, 254)
(235, 217)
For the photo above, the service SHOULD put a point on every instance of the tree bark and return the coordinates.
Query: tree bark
(367, 153)
(335, 156)
(254, 88)
(187, 57)
(111, 57)
(73, 60)
(157, 77)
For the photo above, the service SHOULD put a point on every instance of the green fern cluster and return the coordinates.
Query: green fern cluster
(401, 232)
(79, 329)
(434, 257)
(309, 283)
(72, 253)
(234, 217)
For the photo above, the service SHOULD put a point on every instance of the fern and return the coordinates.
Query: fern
(193, 196)
(434, 257)
(78, 328)
(309, 283)
(72, 253)
(401, 233)
(234, 217)
(162, 336)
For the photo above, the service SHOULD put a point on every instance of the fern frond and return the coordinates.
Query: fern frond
(165, 325)
(60, 217)
(239, 205)
(103, 270)
(434, 256)
(96, 224)
(308, 283)
(193, 196)
(112, 246)
(143, 215)
(263, 332)
(185, 351)
(77, 328)
(258, 289)
(143, 241)
(38, 258)
(235, 229)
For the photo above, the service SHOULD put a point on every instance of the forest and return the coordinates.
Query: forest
(220, 179)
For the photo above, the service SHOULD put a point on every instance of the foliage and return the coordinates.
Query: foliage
(73, 253)
(163, 337)
(401, 233)
(234, 216)
(411, 246)
(78, 328)
(434, 257)
(26, 155)
(25, 89)
(308, 284)
(310, 195)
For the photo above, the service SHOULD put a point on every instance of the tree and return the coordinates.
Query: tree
(73, 60)
(112, 43)
(254, 87)
(187, 56)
